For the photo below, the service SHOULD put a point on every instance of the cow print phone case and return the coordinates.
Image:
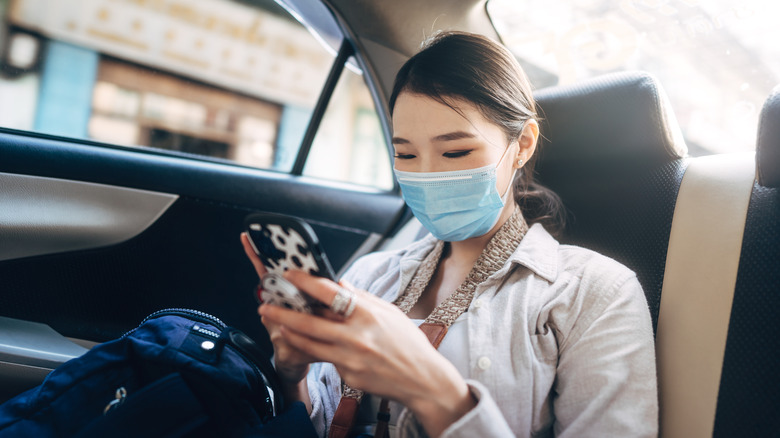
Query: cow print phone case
(282, 243)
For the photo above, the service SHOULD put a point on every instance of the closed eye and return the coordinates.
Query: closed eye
(457, 154)
(404, 156)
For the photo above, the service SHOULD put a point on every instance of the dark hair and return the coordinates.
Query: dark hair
(473, 68)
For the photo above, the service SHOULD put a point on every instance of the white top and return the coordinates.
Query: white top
(560, 343)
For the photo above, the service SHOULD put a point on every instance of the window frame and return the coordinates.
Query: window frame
(345, 51)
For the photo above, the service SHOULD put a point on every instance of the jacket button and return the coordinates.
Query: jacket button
(477, 304)
(483, 363)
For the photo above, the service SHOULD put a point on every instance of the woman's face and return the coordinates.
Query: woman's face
(429, 136)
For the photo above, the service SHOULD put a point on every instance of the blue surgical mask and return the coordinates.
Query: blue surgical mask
(455, 205)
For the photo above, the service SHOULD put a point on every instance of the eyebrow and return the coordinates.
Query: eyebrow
(450, 136)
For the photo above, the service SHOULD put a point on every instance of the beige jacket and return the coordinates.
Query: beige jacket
(560, 344)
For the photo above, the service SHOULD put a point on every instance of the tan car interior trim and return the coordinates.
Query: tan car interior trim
(698, 290)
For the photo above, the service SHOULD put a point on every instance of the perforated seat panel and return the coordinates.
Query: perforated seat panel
(749, 397)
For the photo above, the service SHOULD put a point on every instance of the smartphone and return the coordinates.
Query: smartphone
(282, 243)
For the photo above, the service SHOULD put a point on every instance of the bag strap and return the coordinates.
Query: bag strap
(246, 346)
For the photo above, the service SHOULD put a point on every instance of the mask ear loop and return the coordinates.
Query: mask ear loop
(505, 196)
(514, 174)
(509, 187)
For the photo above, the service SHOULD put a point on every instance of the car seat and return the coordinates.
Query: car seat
(612, 150)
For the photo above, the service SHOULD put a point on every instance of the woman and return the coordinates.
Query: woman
(547, 339)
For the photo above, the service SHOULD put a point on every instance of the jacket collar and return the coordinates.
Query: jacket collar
(538, 251)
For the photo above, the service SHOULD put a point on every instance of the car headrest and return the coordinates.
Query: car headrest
(768, 143)
(620, 120)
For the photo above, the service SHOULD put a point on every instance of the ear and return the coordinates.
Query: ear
(527, 141)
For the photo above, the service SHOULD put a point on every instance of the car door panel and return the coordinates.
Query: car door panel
(190, 256)
(30, 351)
(190, 175)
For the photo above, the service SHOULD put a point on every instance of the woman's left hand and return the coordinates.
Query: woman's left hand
(377, 349)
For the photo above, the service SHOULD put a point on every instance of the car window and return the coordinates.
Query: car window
(717, 60)
(222, 79)
(350, 144)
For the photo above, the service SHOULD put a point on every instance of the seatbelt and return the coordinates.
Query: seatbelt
(698, 290)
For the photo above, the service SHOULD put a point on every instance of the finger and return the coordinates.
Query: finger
(269, 325)
(316, 327)
(252, 255)
(312, 347)
(319, 288)
(329, 314)
(286, 353)
(282, 348)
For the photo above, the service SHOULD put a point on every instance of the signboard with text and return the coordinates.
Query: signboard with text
(216, 41)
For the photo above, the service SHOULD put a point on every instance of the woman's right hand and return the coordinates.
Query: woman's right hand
(291, 363)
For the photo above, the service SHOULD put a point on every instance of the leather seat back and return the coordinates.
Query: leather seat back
(612, 149)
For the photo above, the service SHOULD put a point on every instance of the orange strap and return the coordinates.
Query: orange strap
(344, 418)
(434, 331)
